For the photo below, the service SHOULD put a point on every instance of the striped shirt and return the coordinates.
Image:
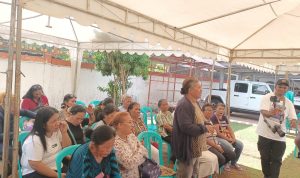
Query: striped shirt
(84, 165)
(162, 119)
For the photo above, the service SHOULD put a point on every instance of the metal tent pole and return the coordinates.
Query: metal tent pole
(76, 71)
(17, 92)
(9, 75)
(211, 80)
(229, 86)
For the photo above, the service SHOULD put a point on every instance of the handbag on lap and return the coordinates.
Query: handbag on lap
(149, 169)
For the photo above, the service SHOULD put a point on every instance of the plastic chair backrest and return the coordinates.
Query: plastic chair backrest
(62, 154)
(22, 137)
(145, 110)
(95, 103)
(149, 136)
(78, 102)
(21, 122)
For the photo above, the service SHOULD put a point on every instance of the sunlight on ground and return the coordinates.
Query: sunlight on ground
(250, 156)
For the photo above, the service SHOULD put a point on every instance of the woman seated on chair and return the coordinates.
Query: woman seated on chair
(34, 98)
(164, 120)
(129, 151)
(106, 116)
(97, 157)
(226, 135)
(74, 120)
(139, 126)
(68, 102)
(47, 138)
(101, 106)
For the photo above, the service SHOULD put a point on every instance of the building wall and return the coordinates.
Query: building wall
(56, 81)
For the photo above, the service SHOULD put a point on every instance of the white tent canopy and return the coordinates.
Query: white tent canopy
(242, 30)
(69, 33)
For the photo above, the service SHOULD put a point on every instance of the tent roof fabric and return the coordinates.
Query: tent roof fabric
(248, 28)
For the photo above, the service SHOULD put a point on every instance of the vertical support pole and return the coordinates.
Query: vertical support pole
(8, 94)
(76, 70)
(276, 74)
(168, 82)
(229, 86)
(149, 89)
(211, 80)
(287, 75)
(174, 86)
(191, 68)
(221, 84)
(17, 92)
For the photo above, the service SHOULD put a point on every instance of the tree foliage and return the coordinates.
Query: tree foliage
(121, 67)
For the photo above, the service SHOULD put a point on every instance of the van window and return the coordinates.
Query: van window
(259, 89)
(241, 87)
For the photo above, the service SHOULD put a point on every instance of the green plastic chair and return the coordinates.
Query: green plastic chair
(62, 154)
(78, 102)
(21, 122)
(169, 150)
(288, 124)
(147, 110)
(149, 136)
(22, 137)
(296, 151)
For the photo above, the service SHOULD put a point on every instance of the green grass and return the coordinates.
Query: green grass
(250, 158)
(237, 126)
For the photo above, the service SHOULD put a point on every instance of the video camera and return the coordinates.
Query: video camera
(280, 116)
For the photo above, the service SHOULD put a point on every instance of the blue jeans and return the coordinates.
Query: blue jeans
(237, 147)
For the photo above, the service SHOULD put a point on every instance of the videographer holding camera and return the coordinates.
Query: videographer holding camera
(275, 108)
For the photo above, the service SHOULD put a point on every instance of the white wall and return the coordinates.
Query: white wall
(56, 81)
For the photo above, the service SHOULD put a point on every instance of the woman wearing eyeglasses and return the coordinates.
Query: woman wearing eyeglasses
(34, 98)
(129, 151)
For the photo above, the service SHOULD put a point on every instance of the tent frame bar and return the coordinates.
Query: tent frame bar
(171, 32)
(228, 14)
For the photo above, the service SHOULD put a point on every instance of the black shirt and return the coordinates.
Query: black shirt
(77, 133)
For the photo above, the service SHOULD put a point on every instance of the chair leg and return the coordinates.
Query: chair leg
(221, 169)
(295, 152)
(169, 153)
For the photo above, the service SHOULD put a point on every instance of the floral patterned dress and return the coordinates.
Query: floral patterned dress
(139, 126)
(130, 154)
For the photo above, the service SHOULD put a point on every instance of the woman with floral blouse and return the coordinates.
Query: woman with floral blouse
(139, 126)
(129, 151)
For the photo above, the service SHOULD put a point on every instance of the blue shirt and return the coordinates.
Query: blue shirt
(84, 165)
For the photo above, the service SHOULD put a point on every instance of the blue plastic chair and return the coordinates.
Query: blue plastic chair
(22, 137)
(296, 151)
(62, 154)
(169, 151)
(95, 103)
(21, 122)
(148, 111)
(149, 136)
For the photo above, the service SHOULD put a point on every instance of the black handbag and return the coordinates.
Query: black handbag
(149, 169)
